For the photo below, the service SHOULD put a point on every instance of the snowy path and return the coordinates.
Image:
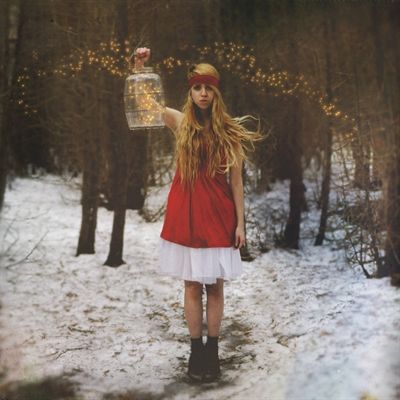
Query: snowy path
(297, 325)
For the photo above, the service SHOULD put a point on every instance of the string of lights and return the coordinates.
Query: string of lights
(113, 58)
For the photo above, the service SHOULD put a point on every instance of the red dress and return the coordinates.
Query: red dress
(201, 217)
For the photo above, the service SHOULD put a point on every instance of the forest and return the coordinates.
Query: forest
(320, 78)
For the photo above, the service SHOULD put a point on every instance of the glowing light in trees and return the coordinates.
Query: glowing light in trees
(113, 58)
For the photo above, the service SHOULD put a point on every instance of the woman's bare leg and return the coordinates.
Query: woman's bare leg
(194, 307)
(215, 307)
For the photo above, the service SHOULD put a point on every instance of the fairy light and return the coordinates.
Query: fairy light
(109, 56)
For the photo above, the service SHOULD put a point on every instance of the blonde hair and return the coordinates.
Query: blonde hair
(223, 146)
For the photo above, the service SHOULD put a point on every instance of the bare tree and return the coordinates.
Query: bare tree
(91, 167)
(391, 85)
(294, 144)
(118, 154)
(10, 22)
(4, 92)
(90, 83)
(329, 31)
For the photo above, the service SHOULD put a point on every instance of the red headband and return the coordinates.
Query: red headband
(206, 79)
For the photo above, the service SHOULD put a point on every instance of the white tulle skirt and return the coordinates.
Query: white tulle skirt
(202, 265)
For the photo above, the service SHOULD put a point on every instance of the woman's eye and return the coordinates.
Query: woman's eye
(209, 88)
(196, 87)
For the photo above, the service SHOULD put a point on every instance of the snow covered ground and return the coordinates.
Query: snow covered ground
(298, 325)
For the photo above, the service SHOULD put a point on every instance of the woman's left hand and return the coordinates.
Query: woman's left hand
(240, 240)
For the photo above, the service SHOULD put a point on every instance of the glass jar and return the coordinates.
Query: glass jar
(144, 100)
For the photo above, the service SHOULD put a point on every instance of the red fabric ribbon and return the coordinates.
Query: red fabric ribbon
(206, 79)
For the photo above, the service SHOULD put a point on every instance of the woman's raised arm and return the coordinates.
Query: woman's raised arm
(172, 117)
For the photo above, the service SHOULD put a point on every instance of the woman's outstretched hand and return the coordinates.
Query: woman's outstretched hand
(240, 240)
(142, 55)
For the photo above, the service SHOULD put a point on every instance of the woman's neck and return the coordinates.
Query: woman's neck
(207, 124)
(204, 117)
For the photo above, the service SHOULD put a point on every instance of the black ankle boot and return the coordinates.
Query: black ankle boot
(212, 370)
(196, 359)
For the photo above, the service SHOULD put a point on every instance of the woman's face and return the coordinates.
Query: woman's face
(202, 95)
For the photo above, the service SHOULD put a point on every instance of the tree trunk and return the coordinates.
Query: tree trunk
(91, 174)
(329, 33)
(392, 244)
(137, 181)
(391, 266)
(10, 28)
(296, 201)
(4, 90)
(292, 229)
(360, 147)
(93, 127)
(379, 139)
(90, 194)
(118, 157)
(115, 254)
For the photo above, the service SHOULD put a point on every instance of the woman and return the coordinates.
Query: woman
(204, 222)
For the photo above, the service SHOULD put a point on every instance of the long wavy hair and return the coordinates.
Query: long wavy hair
(218, 149)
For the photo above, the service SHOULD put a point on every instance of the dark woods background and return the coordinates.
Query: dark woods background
(322, 77)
